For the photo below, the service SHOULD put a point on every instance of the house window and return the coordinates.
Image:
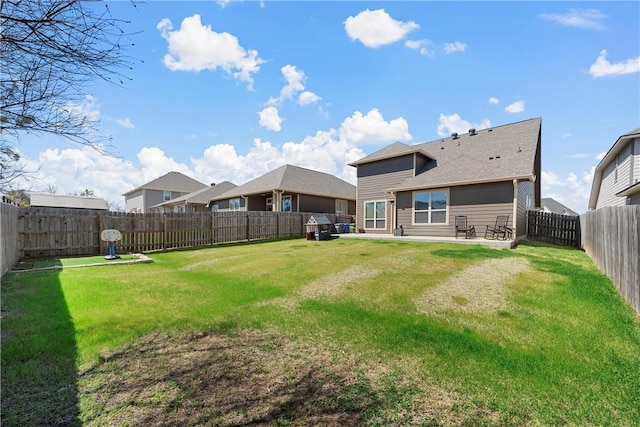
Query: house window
(214, 208)
(234, 204)
(286, 204)
(430, 207)
(342, 207)
(167, 195)
(269, 204)
(375, 214)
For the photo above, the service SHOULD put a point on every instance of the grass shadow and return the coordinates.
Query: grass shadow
(39, 352)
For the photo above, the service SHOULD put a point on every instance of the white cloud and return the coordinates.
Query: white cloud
(270, 119)
(573, 189)
(126, 123)
(196, 47)
(516, 107)
(295, 81)
(602, 67)
(327, 151)
(566, 135)
(450, 48)
(494, 100)
(373, 129)
(307, 98)
(600, 156)
(454, 123)
(377, 28)
(87, 110)
(420, 46)
(294, 87)
(589, 19)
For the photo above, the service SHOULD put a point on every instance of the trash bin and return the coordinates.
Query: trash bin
(352, 228)
(338, 227)
(345, 227)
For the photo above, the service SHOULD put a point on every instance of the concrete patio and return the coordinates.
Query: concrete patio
(507, 244)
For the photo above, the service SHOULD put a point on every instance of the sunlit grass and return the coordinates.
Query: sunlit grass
(564, 340)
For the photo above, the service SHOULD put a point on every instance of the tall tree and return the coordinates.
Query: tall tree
(49, 51)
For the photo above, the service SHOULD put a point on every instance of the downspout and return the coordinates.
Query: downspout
(394, 218)
(515, 208)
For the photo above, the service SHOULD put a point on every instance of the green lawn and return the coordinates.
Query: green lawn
(323, 333)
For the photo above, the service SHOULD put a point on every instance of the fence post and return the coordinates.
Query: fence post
(164, 231)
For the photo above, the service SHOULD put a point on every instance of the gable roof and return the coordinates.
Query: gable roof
(65, 201)
(556, 207)
(394, 150)
(494, 154)
(201, 196)
(294, 179)
(608, 158)
(172, 181)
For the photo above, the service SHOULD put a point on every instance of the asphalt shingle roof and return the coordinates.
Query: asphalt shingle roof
(492, 154)
(294, 179)
(556, 207)
(172, 181)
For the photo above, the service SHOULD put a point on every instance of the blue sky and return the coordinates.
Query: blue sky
(230, 90)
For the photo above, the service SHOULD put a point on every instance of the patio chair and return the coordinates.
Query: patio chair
(499, 230)
(469, 231)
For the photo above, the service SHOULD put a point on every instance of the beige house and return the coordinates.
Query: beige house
(290, 189)
(480, 174)
(616, 179)
(196, 201)
(163, 189)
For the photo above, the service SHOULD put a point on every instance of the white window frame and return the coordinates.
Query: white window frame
(342, 207)
(430, 210)
(269, 205)
(166, 195)
(235, 204)
(375, 219)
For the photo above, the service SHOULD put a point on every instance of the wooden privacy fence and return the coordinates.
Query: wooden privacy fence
(611, 237)
(553, 228)
(8, 236)
(60, 232)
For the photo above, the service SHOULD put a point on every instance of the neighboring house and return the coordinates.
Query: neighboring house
(163, 189)
(196, 201)
(616, 179)
(64, 201)
(553, 206)
(480, 174)
(290, 189)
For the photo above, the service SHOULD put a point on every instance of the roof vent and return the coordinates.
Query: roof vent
(454, 135)
(472, 131)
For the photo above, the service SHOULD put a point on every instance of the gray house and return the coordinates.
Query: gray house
(290, 189)
(162, 189)
(480, 174)
(616, 179)
(196, 201)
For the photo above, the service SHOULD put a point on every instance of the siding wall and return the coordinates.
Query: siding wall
(614, 182)
(525, 194)
(481, 203)
(374, 179)
(636, 161)
(134, 202)
(309, 203)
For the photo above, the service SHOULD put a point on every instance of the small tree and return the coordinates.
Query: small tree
(49, 51)
(86, 193)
